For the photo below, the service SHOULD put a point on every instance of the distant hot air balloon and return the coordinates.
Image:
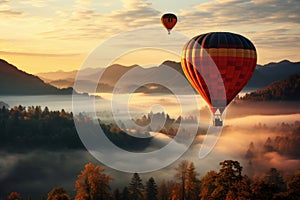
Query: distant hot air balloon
(169, 20)
(216, 63)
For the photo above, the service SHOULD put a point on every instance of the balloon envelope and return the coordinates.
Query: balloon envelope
(169, 20)
(234, 57)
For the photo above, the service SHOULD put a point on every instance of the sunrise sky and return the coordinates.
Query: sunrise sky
(40, 36)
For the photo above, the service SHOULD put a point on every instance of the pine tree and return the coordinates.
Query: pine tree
(274, 178)
(151, 190)
(125, 194)
(117, 195)
(293, 186)
(229, 174)
(136, 188)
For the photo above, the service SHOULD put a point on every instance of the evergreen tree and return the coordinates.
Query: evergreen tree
(136, 188)
(125, 194)
(274, 178)
(229, 174)
(117, 195)
(151, 190)
(261, 190)
(293, 186)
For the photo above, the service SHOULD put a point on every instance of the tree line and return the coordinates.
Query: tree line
(285, 90)
(29, 128)
(228, 183)
(23, 129)
(286, 142)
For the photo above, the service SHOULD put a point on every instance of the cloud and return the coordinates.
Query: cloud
(7, 11)
(241, 15)
(271, 25)
(37, 3)
(83, 22)
(10, 13)
(38, 54)
(246, 11)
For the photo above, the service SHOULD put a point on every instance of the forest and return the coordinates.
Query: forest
(228, 183)
(284, 90)
(36, 128)
(26, 129)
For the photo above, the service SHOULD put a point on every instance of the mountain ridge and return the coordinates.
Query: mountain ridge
(14, 81)
(282, 90)
(262, 77)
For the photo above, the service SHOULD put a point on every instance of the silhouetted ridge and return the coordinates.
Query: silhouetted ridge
(16, 82)
(288, 89)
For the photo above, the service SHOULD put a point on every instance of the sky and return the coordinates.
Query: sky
(41, 36)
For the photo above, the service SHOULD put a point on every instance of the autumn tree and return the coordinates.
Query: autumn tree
(13, 196)
(274, 178)
(229, 174)
(208, 185)
(165, 190)
(58, 193)
(136, 188)
(293, 186)
(181, 172)
(260, 190)
(93, 184)
(151, 189)
(192, 186)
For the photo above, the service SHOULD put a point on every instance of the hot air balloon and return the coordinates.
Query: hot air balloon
(218, 65)
(169, 20)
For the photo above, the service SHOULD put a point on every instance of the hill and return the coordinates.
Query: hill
(266, 74)
(16, 82)
(288, 90)
(262, 77)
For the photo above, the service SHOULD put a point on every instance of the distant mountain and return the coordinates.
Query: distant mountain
(263, 76)
(266, 74)
(16, 82)
(287, 90)
(58, 75)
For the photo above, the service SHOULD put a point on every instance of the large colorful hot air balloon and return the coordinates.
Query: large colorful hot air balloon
(169, 20)
(218, 65)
